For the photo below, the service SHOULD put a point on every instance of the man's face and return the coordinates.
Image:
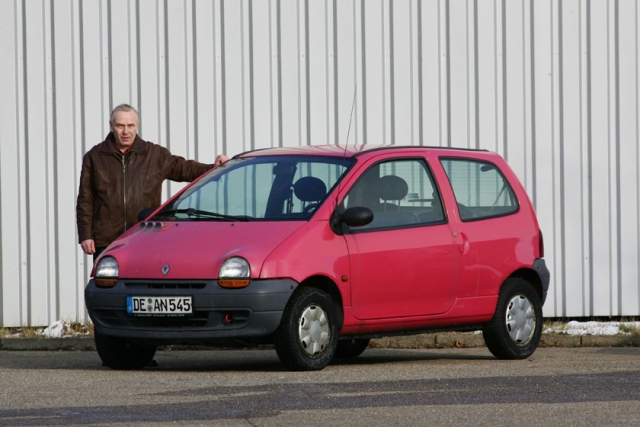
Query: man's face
(125, 128)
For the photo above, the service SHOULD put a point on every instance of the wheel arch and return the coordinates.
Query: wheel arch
(327, 285)
(531, 277)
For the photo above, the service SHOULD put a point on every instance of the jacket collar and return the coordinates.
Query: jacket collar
(108, 147)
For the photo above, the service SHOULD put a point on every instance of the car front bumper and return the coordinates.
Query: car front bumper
(255, 311)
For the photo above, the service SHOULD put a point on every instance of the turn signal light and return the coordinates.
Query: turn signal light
(105, 283)
(234, 283)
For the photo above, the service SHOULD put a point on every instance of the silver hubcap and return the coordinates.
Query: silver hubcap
(314, 330)
(521, 319)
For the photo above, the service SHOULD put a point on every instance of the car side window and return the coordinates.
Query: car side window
(480, 189)
(400, 193)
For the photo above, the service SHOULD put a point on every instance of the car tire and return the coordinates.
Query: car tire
(348, 349)
(119, 353)
(307, 337)
(516, 327)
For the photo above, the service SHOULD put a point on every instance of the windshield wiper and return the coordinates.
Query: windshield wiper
(196, 212)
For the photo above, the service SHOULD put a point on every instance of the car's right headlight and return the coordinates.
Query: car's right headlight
(107, 272)
(235, 272)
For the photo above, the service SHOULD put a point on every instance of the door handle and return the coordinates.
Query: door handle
(462, 242)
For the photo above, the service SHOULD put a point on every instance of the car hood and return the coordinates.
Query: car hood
(195, 249)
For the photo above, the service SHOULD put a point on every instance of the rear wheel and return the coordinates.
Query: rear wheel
(348, 349)
(516, 327)
(119, 353)
(307, 337)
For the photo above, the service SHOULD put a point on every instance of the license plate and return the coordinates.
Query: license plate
(159, 306)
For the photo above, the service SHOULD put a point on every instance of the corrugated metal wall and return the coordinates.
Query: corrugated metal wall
(551, 85)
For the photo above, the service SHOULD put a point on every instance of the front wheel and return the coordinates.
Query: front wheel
(119, 353)
(307, 337)
(516, 327)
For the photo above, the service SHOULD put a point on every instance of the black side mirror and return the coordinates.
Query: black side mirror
(357, 216)
(144, 213)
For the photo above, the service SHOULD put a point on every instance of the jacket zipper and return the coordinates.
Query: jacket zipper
(124, 190)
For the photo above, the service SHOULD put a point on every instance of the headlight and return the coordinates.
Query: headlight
(107, 272)
(234, 273)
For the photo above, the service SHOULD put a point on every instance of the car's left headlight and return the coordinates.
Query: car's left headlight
(107, 272)
(234, 273)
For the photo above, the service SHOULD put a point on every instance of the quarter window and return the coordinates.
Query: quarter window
(480, 189)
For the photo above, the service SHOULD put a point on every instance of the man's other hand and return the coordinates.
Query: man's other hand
(220, 160)
(88, 246)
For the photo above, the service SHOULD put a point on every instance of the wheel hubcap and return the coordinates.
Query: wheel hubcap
(314, 330)
(521, 319)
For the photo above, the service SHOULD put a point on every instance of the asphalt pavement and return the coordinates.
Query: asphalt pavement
(570, 386)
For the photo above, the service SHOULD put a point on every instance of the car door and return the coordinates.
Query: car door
(404, 262)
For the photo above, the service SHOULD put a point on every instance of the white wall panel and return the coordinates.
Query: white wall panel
(553, 85)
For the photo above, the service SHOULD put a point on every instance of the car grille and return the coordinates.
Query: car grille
(200, 319)
(164, 285)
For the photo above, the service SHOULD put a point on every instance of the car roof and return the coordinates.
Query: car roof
(338, 150)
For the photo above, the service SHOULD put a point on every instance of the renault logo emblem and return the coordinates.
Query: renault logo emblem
(165, 269)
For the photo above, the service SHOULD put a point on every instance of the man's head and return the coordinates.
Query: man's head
(124, 125)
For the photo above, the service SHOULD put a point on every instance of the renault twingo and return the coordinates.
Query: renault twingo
(319, 249)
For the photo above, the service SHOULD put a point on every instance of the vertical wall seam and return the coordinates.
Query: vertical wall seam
(590, 161)
(469, 69)
(336, 93)
(447, 30)
(327, 55)
(532, 100)
(80, 256)
(196, 110)
(54, 135)
(420, 83)
(637, 98)
(476, 77)
(279, 65)
(524, 99)
(582, 136)
(129, 51)
(167, 80)
(392, 100)
(109, 52)
(505, 114)
(243, 102)
(609, 177)
(223, 78)
(590, 284)
(252, 139)
(363, 40)
(25, 123)
(138, 76)
(618, 180)
(185, 22)
(307, 74)
(561, 153)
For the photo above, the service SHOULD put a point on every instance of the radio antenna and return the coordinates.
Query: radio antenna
(344, 155)
(353, 104)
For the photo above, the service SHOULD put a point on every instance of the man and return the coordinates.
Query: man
(122, 176)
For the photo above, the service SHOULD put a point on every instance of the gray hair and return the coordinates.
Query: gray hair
(124, 108)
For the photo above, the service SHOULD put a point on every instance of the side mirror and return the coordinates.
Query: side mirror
(144, 213)
(357, 216)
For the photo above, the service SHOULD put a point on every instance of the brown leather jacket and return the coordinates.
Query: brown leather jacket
(115, 188)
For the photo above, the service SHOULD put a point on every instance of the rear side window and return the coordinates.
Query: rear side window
(480, 189)
(401, 193)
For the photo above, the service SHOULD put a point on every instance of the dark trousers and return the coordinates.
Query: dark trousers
(97, 253)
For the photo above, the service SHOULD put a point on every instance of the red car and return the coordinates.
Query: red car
(318, 249)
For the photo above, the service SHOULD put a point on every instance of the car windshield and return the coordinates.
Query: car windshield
(260, 188)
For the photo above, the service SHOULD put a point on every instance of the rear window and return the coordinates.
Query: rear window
(480, 189)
